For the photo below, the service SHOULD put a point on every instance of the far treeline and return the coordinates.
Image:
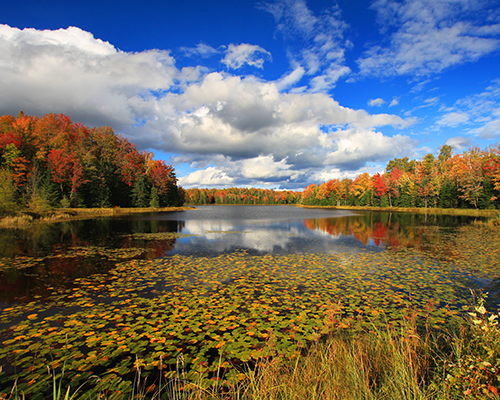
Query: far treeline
(467, 180)
(52, 162)
(241, 196)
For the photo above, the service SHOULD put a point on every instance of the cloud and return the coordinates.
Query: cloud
(480, 111)
(327, 81)
(210, 176)
(239, 55)
(356, 148)
(453, 119)
(316, 43)
(260, 171)
(459, 142)
(200, 50)
(237, 130)
(427, 37)
(394, 102)
(376, 102)
(491, 129)
(291, 79)
(69, 71)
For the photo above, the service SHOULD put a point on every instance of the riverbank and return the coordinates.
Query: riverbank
(24, 219)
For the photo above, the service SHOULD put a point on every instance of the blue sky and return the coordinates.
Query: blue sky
(277, 93)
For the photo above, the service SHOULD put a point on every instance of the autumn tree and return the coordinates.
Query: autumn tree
(380, 188)
(392, 180)
(90, 166)
(362, 188)
(427, 179)
(468, 171)
(309, 194)
(403, 164)
(323, 193)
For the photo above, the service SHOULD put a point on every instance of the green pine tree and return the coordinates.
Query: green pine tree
(7, 193)
(155, 200)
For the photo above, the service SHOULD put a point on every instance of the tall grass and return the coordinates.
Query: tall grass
(380, 364)
(16, 222)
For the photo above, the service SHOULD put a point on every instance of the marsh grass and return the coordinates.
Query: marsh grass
(417, 210)
(47, 216)
(16, 222)
(384, 363)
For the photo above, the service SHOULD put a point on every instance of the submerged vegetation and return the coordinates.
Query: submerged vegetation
(368, 325)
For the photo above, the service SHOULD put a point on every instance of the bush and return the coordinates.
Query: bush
(475, 368)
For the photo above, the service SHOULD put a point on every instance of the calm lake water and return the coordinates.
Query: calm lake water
(54, 255)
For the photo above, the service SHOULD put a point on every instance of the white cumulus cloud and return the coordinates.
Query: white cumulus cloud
(237, 130)
(376, 102)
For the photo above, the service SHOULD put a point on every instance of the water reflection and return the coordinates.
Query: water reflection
(389, 230)
(370, 231)
(46, 256)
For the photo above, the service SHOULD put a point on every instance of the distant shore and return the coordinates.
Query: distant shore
(24, 219)
(433, 211)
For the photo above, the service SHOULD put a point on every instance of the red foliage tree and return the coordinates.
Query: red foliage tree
(163, 177)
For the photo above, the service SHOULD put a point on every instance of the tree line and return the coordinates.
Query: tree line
(53, 162)
(467, 180)
(241, 196)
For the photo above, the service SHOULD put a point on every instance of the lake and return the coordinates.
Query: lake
(56, 254)
(216, 282)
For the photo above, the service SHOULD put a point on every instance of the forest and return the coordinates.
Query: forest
(52, 162)
(467, 180)
(242, 196)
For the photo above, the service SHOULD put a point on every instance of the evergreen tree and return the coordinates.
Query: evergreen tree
(155, 201)
(486, 201)
(51, 190)
(448, 196)
(384, 201)
(7, 192)
(139, 193)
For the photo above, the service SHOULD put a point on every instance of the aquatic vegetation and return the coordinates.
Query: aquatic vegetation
(219, 314)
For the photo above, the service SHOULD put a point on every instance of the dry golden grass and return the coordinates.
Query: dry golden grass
(438, 211)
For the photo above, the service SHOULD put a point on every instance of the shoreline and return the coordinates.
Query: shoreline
(434, 211)
(24, 219)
